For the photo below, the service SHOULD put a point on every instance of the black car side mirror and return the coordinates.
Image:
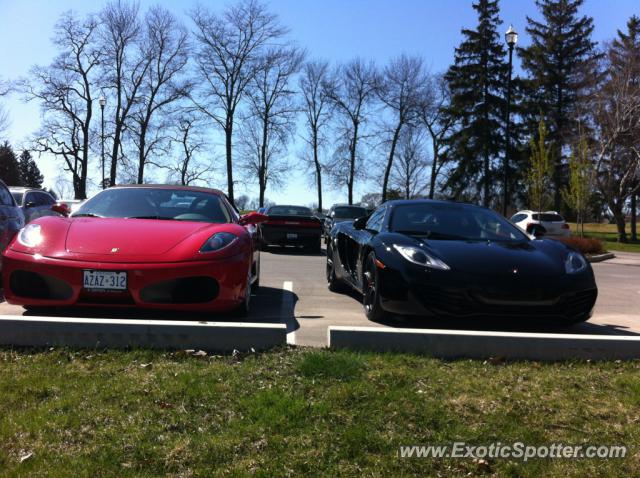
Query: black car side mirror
(360, 223)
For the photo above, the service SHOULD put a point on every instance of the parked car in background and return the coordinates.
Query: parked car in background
(548, 223)
(148, 246)
(341, 213)
(291, 226)
(11, 217)
(454, 260)
(35, 203)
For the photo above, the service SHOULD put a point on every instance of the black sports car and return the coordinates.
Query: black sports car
(447, 259)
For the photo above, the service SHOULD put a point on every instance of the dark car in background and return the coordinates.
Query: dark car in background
(341, 213)
(35, 203)
(291, 226)
(11, 217)
(445, 259)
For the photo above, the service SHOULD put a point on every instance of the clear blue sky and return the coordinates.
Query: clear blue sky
(335, 30)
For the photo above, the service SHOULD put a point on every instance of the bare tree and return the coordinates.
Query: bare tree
(4, 116)
(410, 169)
(189, 142)
(124, 68)
(433, 103)
(272, 112)
(65, 90)
(351, 91)
(615, 107)
(401, 85)
(165, 40)
(229, 47)
(317, 109)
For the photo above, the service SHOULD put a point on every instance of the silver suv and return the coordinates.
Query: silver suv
(548, 223)
(35, 203)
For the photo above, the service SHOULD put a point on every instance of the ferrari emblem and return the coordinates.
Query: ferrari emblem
(115, 249)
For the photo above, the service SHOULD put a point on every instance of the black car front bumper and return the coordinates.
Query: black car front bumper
(445, 294)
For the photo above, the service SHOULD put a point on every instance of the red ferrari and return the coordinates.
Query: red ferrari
(150, 246)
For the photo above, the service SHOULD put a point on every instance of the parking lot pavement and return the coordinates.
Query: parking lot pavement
(293, 291)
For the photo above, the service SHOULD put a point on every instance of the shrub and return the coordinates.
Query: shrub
(584, 244)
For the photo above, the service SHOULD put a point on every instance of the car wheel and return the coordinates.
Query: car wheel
(333, 283)
(371, 291)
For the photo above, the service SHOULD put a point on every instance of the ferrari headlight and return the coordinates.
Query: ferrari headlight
(420, 257)
(574, 263)
(218, 241)
(30, 235)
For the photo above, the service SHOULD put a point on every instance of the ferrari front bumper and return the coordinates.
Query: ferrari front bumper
(215, 285)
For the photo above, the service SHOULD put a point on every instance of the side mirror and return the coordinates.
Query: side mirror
(360, 223)
(252, 218)
(61, 208)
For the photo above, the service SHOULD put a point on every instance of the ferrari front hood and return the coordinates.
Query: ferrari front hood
(127, 237)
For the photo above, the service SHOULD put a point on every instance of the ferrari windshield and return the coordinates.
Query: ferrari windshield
(452, 221)
(156, 203)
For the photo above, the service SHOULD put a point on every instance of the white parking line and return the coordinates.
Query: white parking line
(287, 311)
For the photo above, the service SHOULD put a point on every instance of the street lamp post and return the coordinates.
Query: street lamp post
(103, 102)
(511, 37)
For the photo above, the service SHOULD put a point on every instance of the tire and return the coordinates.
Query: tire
(371, 291)
(333, 283)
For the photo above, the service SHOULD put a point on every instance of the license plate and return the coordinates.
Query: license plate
(292, 236)
(105, 280)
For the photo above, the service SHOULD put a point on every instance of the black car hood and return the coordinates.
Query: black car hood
(525, 259)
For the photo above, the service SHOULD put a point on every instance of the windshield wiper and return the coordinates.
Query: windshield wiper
(85, 214)
(164, 218)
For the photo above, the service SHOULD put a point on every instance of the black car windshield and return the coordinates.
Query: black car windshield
(156, 203)
(453, 222)
(348, 212)
(289, 211)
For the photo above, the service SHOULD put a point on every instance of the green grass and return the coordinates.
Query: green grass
(303, 412)
(607, 233)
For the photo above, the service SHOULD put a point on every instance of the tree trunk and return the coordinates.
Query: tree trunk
(634, 215)
(387, 171)
(316, 161)
(114, 153)
(228, 131)
(141, 158)
(434, 171)
(618, 216)
(262, 180)
(352, 163)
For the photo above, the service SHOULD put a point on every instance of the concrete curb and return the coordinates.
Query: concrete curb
(477, 344)
(601, 257)
(156, 334)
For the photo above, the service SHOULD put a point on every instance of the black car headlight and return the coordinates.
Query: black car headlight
(218, 241)
(574, 263)
(30, 235)
(420, 257)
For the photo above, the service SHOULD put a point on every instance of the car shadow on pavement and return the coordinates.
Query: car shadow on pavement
(487, 324)
(268, 305)
(516, 324)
